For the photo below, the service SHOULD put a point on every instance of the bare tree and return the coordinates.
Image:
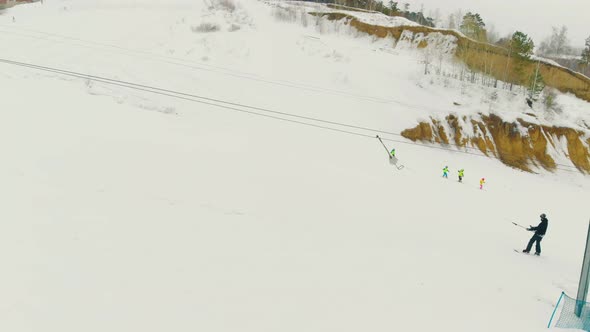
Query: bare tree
(557, 44)
(436, 17)
(585, 60)
(427, 59)
(451, 24)
(493, 35)
(458, 17)
(505, 79)
(493, 98)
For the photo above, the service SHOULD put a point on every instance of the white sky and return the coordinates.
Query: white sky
(533, 17)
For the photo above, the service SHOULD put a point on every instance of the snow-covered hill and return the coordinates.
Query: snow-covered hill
(126, 210)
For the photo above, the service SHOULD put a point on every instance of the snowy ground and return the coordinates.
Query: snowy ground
(129, 211)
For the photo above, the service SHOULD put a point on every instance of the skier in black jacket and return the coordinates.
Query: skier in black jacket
(540, 231)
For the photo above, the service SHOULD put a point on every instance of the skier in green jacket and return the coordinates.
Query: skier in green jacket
(461, 174)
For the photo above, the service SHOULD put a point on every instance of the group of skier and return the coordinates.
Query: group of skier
(539, 230)
(461, 175)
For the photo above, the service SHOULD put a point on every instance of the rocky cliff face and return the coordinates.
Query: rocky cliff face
(519, 144)
(491, 59)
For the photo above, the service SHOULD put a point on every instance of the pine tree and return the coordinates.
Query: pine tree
(522, 45)
(473, 27)
(393, 7)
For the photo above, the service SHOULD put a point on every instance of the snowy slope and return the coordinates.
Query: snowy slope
(130, 211)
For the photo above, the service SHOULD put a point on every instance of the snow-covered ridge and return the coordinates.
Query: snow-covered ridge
(546, 61)
(369, 17)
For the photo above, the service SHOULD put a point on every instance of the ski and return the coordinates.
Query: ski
(525, 253)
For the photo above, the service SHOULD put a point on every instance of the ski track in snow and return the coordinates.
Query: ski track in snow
(128, 211)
